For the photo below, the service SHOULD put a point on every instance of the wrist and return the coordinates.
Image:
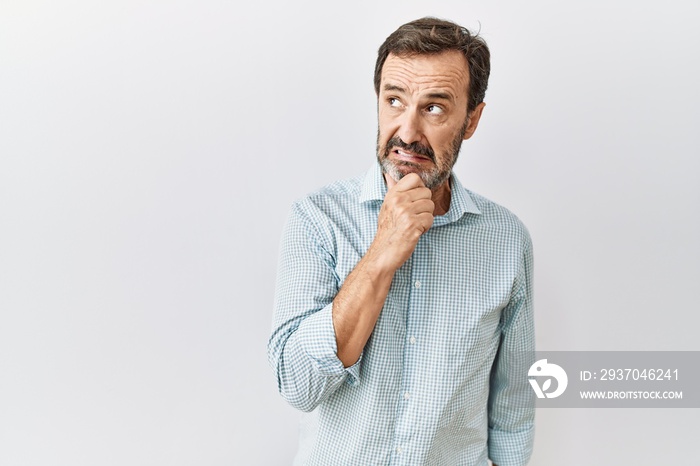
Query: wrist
(378, 265)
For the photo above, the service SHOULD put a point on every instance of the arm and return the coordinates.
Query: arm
(407, 213)
(319, 332)
(511, 400)
(301, 348)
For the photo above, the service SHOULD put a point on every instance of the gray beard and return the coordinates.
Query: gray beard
(431, 178)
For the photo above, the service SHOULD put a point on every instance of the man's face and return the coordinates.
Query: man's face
(422, 107)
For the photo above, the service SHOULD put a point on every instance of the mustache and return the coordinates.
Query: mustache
(415, 147)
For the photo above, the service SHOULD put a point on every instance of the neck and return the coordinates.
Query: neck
(442, 195)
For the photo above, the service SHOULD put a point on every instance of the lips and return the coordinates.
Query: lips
(413, 153)
(408, 155)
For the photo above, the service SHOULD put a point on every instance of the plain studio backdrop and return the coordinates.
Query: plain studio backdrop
(150, 151)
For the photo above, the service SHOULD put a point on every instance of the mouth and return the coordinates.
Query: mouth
(409, 156)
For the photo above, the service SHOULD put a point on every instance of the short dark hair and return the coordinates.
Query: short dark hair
(429, 36)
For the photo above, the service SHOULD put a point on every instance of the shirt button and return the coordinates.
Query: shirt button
(406, 396)
(417, 284)
(412, 340)
(399, 450)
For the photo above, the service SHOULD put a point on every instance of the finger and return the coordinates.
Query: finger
(412, 194)
(423, 205)
(418, 193)
(425, 220)
(398, 198)
(409, 181)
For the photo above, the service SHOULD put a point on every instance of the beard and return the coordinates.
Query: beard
(433, 177)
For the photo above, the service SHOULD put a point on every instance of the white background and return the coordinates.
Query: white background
(149, 152)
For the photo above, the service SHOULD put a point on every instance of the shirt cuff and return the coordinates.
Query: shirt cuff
(321, 347)
(511, 448)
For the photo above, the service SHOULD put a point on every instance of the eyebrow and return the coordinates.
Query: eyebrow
(440, 95)
(394, 88)
(432, 95)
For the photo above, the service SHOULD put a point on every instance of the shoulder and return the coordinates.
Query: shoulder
(498, 218)
(334, 204)
(346, 190)
(330, 197)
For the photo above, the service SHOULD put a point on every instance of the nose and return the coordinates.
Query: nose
(410, 129)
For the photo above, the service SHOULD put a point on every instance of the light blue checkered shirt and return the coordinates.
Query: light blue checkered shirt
(436, 383)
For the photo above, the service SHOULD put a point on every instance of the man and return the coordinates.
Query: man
(404, 301)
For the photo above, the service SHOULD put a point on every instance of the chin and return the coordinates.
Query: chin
(399, 170)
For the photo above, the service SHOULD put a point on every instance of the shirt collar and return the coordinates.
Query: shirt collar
(374, 189)
(374, 186)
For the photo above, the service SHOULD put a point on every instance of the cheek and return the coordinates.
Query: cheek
(441, 138)
(384, 126)
(442, 143)
(383, 136)
(388, 121)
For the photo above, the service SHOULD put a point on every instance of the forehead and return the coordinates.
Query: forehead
(447, 71)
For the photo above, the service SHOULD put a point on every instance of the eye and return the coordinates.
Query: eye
(434, 110)
(394, 102)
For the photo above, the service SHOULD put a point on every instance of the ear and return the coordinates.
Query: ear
(473, 120)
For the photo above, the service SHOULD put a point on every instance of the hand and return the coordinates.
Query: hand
(407, 213)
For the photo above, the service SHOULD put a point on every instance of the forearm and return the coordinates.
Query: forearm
(358, 304)
(407, 213)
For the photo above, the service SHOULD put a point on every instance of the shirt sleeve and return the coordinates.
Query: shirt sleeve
(511, 399)
(302, 347)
